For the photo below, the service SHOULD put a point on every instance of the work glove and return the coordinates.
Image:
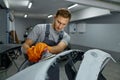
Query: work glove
(35, 52)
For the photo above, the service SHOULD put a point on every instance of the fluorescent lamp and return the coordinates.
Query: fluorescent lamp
(72, 6)
(50, 16)
(6, 3)
(25, 16)
(29, 5)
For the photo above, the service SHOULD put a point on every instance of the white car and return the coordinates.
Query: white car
(62, 66)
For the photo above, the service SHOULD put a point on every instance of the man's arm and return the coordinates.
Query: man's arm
(62, 45)
(58, 48)
(26, 45)
(54, 49)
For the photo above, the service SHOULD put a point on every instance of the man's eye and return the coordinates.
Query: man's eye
(58, 22)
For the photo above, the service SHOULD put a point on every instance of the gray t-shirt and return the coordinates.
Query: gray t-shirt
(38, 34)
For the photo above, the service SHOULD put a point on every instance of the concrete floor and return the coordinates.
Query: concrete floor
(111, 71)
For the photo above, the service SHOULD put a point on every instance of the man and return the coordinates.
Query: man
(49, 35)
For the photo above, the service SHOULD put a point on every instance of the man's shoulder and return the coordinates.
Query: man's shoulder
(65, 33)
(41, 25)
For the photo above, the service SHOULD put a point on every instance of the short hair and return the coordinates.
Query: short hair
(64, 13)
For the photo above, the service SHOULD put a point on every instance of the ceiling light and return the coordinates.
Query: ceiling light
(6, 3)
(25, 16)
(29, 5)
(50, 16)
(75, 5)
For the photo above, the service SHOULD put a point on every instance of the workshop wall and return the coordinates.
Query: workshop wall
(3, 26)
(21, 24)
(101, 32)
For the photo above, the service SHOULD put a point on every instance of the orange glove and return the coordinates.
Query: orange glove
(35, 52)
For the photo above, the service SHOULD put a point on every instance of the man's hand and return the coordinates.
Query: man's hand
(35, 52)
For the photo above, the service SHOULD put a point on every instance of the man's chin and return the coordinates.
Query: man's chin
(58, 30)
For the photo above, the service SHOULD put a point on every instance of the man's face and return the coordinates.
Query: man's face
(60, 23)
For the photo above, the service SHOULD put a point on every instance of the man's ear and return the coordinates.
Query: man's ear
(54, 16)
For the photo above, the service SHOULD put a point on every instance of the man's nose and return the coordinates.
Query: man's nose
(60, 26)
